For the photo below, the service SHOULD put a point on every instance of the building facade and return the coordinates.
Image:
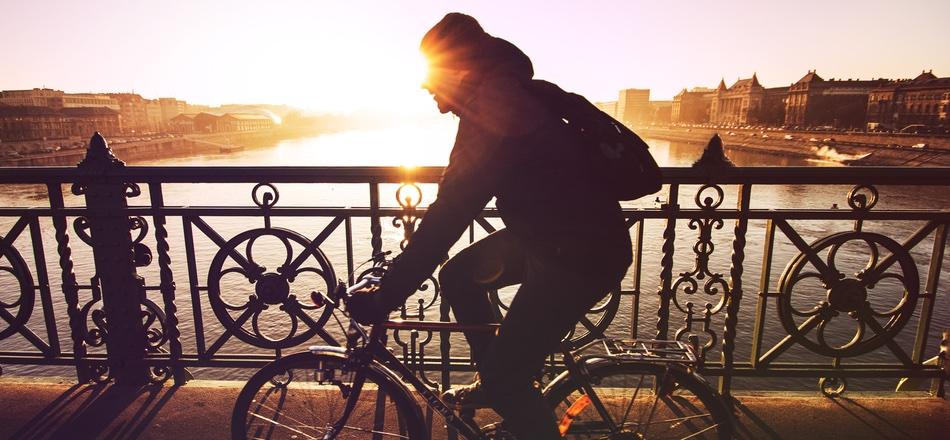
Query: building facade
(228, 122)
(84, 121)
(922, 100)
(816, 102)
(737, 104)
(183, 124)
(692, 106)
(633, 106)
(171, 107)
(81, 100)
(134, 111)
(33, 98)
(244, 122)
(609, 107)
(28, 123)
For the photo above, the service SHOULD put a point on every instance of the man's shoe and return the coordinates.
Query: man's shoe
(466, 396)
(497, 431)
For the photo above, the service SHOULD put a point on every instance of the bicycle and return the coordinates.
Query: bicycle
(610, 389)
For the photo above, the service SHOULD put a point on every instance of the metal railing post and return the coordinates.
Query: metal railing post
(123, 291)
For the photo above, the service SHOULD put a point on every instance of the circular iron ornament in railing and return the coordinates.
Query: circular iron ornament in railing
(862, 197)
(138, 223)
(591, 326)
(81, 226)
(153, 320)
(409, 201)
(848, 297)
(265, 195)
(95, 324)
(707, 201)
(832, 386)
(270, 289)
(25, 294)
(100, 373)
(132, 190)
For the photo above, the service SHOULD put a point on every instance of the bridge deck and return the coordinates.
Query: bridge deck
(201, 410)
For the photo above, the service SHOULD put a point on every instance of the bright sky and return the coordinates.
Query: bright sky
(330, 55)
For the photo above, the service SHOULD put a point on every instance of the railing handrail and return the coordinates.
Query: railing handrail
(114, 213)
(432, 174)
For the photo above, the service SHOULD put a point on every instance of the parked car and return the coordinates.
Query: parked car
(915, 129)
(920, 146)
(788, 137)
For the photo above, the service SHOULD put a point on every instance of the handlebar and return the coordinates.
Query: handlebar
(366, 281)
(342, 293)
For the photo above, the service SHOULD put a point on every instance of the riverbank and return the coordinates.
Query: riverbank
(168, 146)
(856, 149)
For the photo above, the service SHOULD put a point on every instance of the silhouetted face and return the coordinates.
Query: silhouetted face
(445, 87)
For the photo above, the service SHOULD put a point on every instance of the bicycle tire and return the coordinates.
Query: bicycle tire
(685, 407)
(289, 399)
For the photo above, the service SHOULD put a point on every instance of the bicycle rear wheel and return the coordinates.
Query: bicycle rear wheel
(303, 396)
(644, 401)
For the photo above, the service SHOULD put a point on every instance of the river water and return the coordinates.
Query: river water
(429, 144)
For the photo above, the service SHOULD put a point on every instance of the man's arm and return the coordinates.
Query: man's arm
(467, 186)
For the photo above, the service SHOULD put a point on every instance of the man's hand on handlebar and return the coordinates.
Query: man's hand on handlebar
(366, 305)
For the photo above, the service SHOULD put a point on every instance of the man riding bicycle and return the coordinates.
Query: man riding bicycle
(565, 240)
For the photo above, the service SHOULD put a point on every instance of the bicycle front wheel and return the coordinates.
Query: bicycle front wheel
(303, 396)
(642, 401)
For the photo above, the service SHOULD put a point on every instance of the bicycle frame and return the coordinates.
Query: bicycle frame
(376, 351)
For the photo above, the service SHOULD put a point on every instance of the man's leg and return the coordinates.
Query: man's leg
(490, 263)
(549, 303)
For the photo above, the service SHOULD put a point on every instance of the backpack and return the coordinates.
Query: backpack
(617, 156)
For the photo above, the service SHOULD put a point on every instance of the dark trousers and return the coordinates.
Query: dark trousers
(559, 284)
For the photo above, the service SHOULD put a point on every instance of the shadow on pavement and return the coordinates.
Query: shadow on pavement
(97, 411)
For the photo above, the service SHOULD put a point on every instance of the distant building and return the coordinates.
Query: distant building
(33, 98)
(922, 100)
(153, 113)
(171, 107)
(633, 106)
(609, 107)
(747, 102)
(773, 106)
(229, 122)
(56, 99)
(26, 123)
(691, 107)
(815, 102)
(183, 123)
(735, 105)
(943, 116)
(661, 112)
(134, 111)
(244, 122)
(80, 100)
(84, 121)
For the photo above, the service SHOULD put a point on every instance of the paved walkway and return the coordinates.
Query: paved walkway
(201, 410)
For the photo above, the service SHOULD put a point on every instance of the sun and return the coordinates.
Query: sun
(355, 77)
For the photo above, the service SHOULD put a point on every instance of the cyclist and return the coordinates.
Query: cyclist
(565, 240)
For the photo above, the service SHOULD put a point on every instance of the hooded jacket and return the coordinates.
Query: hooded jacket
(509, 146)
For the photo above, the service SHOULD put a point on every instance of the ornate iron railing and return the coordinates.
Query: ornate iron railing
(215, 306)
